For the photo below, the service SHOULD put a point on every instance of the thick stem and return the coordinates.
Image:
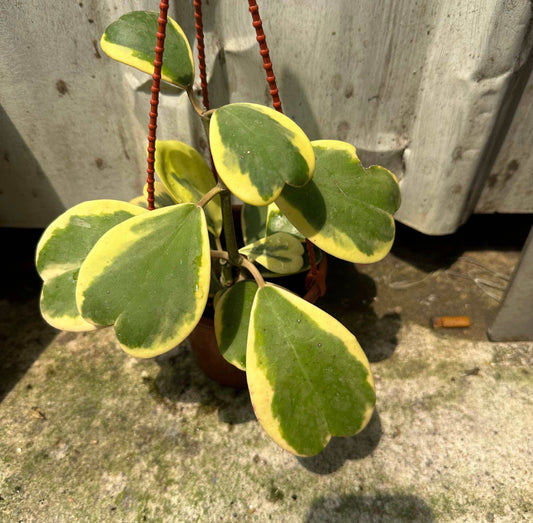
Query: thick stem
(248, 265)
(227, 212)
(229, 226)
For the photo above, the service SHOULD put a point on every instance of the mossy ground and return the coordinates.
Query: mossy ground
(88, 433)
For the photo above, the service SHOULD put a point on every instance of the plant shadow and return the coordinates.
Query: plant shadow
(378, 508)
(349, 299)
(180, 379)
(24, 335)
(339, 450)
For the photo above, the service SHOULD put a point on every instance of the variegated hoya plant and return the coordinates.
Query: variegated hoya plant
(150, 274)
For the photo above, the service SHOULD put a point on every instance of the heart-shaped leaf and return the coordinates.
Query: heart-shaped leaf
(346, 210)
(132, 40)
(280, 253)
(307, 375)
(63, 247)
(257, 151)
(187, 178)
(304, 268)
(232, 317)
(149, 277)
(162, 197)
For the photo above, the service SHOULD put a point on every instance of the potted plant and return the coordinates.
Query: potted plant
(149, 273)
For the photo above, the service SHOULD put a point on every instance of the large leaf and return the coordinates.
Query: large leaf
(149, 277)
(187, 178)
(307, 375)
(257, 151)
(61, 250)
(132, 40)
(232, 317)
(346, 210)
(162, 197)
(280, 253)
(253, 222)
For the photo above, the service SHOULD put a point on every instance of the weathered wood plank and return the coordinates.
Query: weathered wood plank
(509, 188)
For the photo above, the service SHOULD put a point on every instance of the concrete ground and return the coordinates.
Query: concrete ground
(88, 433)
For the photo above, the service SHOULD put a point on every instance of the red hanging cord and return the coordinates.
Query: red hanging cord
(265, 53)
(199, 25)
(201, 51)
(154, 102)
(314, 277)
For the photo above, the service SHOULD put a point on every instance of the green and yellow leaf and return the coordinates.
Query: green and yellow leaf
(308, 377)
(187, 177)
(232, 317)
(305, 267)
(162, 197)
(257, 151)
(63, 247)
(149, 277)
(253, 222)
(346, 210)
(280, 253)
(132, 40)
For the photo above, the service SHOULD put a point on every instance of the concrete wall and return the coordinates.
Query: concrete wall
(427, 89)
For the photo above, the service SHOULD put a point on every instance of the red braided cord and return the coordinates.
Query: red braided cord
(201, 51)
(154, 102)
(313, 275)
(199, 25)
(265, 53)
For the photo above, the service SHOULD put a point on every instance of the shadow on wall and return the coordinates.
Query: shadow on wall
(377, 508)
(23, 333)
(27, 199)
(339, 450)
(296, 104)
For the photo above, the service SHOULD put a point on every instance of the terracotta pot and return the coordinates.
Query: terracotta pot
(205, 347)
(211, 361)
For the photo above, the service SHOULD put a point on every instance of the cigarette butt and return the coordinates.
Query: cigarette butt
(451, 321)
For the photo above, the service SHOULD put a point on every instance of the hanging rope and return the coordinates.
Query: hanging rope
(201, 51)
(154, 102)
(314, 276)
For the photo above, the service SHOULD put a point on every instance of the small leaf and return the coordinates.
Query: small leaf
(304, 268)
(280, 253)
(132, 40)
(61, 250)
(253, 222)
(308, 377)
(257, 151)
(277, 222)
(232, 317)
(149, 277)
(345, 210)
(187, 178)
(162, 197)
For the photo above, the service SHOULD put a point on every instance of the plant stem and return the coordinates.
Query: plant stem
(196, 103)
(248, 265)
(229, 226)
(209, 195)
(225, 195)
